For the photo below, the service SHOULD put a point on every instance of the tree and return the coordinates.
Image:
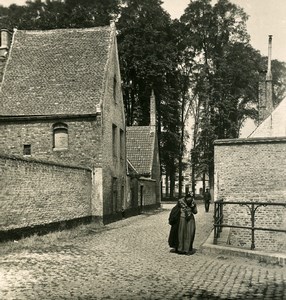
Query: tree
(53, 14)
(148, 61)
(225, 87)
(278, 70)
(143, 43)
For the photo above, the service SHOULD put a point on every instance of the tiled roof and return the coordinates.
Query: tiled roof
(140, 147)
(55, 72)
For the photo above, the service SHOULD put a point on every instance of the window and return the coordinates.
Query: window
(114, 193)
(121, 144)
(27, 149)
(122, 197)
(60, 136)
(114, 88)
(114, 140)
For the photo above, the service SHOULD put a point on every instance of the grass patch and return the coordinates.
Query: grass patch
(50, 242)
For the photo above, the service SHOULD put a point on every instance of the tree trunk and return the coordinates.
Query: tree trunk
(172, 185)
(167, 194)
(204, 182)
(193, 176)
(181, 167)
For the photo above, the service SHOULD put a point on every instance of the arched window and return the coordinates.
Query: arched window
(60, 136)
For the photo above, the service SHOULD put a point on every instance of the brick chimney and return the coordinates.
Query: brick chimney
(5, 38)
(266, 88)
(261, 96)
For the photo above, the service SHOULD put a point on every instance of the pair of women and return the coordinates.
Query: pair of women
(183, 225)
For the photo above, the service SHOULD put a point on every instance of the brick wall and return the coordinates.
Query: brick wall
(156, 170)
(149, 192)
(37, 193)
(84, 140)
(253, 169)
(89, 141)
(113, 167)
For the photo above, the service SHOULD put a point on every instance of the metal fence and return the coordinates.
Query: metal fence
(252, 206)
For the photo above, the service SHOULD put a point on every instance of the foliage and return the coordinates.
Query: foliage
(148, 61)
(53, 14)
(226, 88)
(278, 70)
(202, 63)
(145, 59)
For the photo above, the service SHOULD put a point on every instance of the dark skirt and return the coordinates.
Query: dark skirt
(174, 221)
(173, 236)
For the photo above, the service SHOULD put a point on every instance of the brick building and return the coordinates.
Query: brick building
(144, 174)
(254, 169)
(62, 127)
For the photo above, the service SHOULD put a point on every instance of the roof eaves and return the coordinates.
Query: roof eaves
(8, 118)
(104, 81)
(153, 135)
(132, 167)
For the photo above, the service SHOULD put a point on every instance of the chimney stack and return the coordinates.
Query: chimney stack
(269, 73)
(5, 43)
(266, 88)
(269, 85)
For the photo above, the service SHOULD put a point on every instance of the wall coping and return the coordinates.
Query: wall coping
(43, 162)
(5, 119)
(147, 179)
(258, 140)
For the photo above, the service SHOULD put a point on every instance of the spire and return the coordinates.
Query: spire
(152, 111)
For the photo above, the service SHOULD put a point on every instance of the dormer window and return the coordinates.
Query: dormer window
(60, 136)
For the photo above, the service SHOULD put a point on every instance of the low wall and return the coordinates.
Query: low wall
(253, 170)
(35, 193)
(149, 192)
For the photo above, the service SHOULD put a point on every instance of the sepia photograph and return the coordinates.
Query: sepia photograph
(142, 149)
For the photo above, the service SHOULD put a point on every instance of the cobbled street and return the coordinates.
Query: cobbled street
(131, 259)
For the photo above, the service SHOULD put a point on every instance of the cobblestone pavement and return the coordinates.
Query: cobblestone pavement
(130, 259)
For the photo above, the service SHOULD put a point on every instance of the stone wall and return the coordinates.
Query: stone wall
(253, 170)
(34, 193)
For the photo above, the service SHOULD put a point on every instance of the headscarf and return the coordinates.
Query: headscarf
(186, 209)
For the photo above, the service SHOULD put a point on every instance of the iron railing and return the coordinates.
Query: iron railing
(252, 206)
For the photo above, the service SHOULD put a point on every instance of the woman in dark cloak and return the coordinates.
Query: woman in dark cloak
(183, 226)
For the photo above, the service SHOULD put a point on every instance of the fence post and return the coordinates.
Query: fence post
(252, 226)
(215, 223)
(220, 215)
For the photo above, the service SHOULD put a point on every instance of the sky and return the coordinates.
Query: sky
(265, 18)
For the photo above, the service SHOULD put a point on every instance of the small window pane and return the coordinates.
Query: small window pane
(27, 150)
(61, 138)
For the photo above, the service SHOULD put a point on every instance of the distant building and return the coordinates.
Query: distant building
(144, 174)
(254, 169)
